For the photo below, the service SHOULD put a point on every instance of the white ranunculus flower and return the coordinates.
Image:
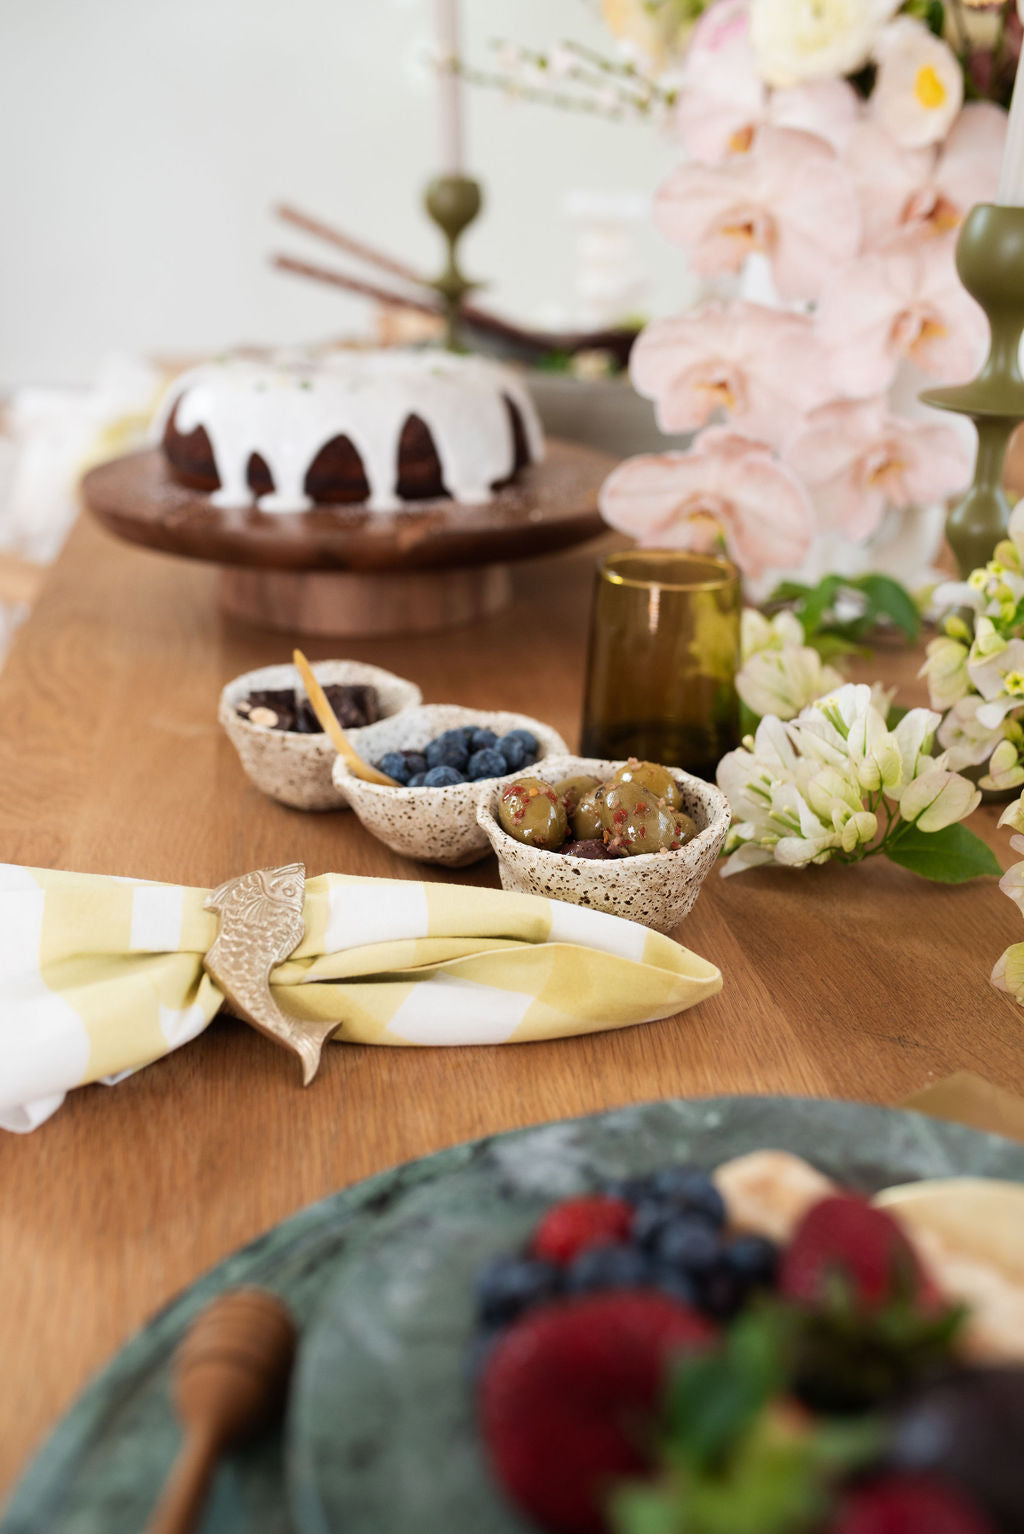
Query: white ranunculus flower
(920, 85)
(797, 40)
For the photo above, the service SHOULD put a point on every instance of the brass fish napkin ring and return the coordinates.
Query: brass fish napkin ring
(261, 925)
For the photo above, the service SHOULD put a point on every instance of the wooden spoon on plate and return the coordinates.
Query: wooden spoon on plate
(331, 726)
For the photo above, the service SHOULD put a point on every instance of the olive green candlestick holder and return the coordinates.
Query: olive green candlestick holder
(990, 261)
(453, 202)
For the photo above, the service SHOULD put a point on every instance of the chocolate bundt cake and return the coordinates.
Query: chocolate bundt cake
(384, 428)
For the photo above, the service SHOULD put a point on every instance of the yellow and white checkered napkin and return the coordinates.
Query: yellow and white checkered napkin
(99, 976)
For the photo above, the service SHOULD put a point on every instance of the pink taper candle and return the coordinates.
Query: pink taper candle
(1011, 179)
(451, 87)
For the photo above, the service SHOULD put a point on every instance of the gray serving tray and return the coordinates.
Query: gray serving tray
(379, 1437)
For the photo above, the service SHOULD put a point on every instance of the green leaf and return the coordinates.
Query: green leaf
(889, 597)
(818, 603)
(788, 591)
(950, 856)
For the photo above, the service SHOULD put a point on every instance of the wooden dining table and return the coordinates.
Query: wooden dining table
(862, 983)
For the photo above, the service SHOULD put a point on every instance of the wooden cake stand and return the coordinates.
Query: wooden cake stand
(347, 571)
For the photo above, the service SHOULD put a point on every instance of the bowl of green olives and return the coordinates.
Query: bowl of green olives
(632, 838)
(431, 816)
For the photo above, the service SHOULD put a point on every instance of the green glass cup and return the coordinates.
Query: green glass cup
(661, 668)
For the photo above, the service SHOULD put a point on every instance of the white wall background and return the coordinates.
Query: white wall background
(144, 142)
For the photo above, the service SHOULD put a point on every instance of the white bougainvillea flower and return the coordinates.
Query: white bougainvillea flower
(796, 40)
(857, 459)
(965, 740)
(996, 670)
(1005, 770)
(920, 85)
(946, 671)
(762, 367)
(723, 101)
(782, 682)
(938, 798)
(911, 195)
(790, 199)
(760, 632)
(891, 306)
(1008, 974)
(727, 490)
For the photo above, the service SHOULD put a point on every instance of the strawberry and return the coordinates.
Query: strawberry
(908, 1504)
(846, 1237)
(578, 1223)
(569, 1396)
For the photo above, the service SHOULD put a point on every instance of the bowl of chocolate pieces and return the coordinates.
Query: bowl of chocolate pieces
(442, 758)
(632, 838)
(271, 724)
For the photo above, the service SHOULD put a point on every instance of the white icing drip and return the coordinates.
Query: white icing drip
(287, 410)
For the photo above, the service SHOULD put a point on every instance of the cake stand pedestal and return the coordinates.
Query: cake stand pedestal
(346, 571)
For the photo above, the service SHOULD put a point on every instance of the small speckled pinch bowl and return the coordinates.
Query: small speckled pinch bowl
(296, 769)
(433, 825)
(653, 888)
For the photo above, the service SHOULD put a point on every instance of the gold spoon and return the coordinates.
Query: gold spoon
(331, 727)
(230, 1376)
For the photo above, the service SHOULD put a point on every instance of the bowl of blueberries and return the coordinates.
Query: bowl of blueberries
(443, 758)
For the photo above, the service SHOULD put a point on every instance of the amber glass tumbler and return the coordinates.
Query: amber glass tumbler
(661, 668)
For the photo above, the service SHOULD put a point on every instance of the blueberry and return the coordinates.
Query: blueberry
(676, 1285)
(395, 765)
(690, 1189)
(529, 741)
(442, 777)
(630, 1189)
(649, 1220)
(513, 750)
(753, 1259)
(416, 781)
(481, 740)
(415, 762)
(448, 750)
(486, 763)
(608, 1267)
(509, 1285)
(688, 1244)
(722, 1293)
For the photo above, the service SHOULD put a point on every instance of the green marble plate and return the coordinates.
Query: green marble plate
(379, 1437)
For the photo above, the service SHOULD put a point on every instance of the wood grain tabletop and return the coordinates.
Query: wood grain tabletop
(860, 983)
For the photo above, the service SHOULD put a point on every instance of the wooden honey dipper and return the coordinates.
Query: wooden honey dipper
(230, 1375)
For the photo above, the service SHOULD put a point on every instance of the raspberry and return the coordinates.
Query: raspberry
(571, 1227)
(909, 1505)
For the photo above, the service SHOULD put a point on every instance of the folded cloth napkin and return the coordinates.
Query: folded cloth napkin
(99, 976)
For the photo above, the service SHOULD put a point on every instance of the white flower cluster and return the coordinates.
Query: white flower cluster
(979, 677)
(829, 782)
(779, 674)
(1008, 974)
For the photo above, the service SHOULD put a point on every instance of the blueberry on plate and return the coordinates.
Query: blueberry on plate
(754, 1259)
(486, 763)
(676, 1285)
(722, 1293)
(449, 750)
(608, 1267)
(416, 781)
(528, 739)
(650, 1216)
(631, 1190)
(508, 1285)
(688, 1243)
(480, 740)
(395, 765)
(443, 777)
(689, 1189)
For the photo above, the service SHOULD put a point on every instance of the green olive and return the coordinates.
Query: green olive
(687, 828)
(635, 821)
(572, 790)
(586, 818)
(533, 813)
(657, 780)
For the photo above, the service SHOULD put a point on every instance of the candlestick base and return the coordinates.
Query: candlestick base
(453, 202)
(990, 261)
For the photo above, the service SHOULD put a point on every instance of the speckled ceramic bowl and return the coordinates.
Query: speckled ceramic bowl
(296, 769)
(653, 888)
(434, 825)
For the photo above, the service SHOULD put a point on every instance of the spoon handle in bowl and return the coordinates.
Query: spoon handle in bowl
(185, 1489)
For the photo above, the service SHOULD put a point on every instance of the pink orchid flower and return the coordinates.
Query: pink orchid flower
(857, 459)
(724, 102)
(905, 303)
(912, 195)
(790, 198)
(763, 367)
(727, 488)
